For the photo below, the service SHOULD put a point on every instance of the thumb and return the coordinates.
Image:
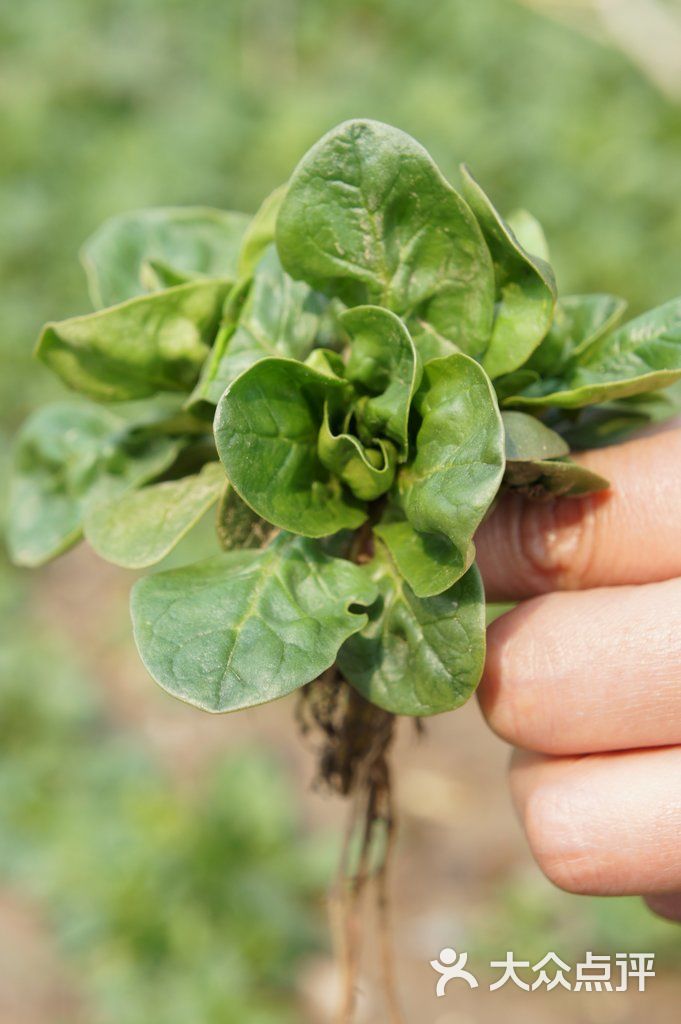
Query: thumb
(629, 534)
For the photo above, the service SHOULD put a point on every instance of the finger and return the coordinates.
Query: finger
(668, 906)
(629, 534)
(577, 673)
(604, 824)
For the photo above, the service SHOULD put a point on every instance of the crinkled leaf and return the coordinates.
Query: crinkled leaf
(260, 232)
(579, 321)
(384, 365)
(556, 478)
(68, 458)
(525, 288)
(279, 317)
(145, 345)
(459, 460)
(266, 430)
(368, 472)
(529, 232)
(142, 527)
(368, 217)
(183, 241)
(247, 627)
(643, 355)
(527, 438)
(418, 656)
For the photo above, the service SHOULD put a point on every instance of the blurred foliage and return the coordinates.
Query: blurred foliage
(529, 915)
(176, 904)
(113, 104)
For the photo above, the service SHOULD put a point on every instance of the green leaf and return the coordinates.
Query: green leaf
(536, 465)
(529, 232)
(526, 290)
(145, 345)
(578, 322)
(458, 466)
(279, 317)
(598, 425)
(385, 366)
(185, 241)
(237, 525)
(428, 561)
(511, 383)
(157, 275)
(368, 472)
(266, 430)
(418, 656)
(260, 232)
(327, 362)
(643, 355)
(558, 478)
(429, 343)
(68, 458)
(495, 609)
(368, 217)
(527, 439)
(247, 627)
(142, 527)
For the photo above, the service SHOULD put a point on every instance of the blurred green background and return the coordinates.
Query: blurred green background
(197, 905)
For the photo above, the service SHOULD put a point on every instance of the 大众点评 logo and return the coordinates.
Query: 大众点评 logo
(595, 973)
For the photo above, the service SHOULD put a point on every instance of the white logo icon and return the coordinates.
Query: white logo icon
(451, 966)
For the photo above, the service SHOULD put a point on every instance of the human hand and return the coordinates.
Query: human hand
(585, 678)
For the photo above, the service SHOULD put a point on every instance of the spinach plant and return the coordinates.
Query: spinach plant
(351, 377)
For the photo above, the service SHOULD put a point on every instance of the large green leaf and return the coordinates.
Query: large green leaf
(579, 321)
(418, 656)
(142, 527)
(369, 217)
(145, 345)
(643, 355)
(383, 364)
(247, 627)
(68, 458)
(266, 430)
(458, 465)
(278, 317)
(124, 256)
(526, 291)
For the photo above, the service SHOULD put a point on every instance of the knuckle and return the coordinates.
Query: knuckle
(556, 542)
(514, 696)
(554, 827)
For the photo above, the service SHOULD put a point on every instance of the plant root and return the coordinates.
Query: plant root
(353, 739)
